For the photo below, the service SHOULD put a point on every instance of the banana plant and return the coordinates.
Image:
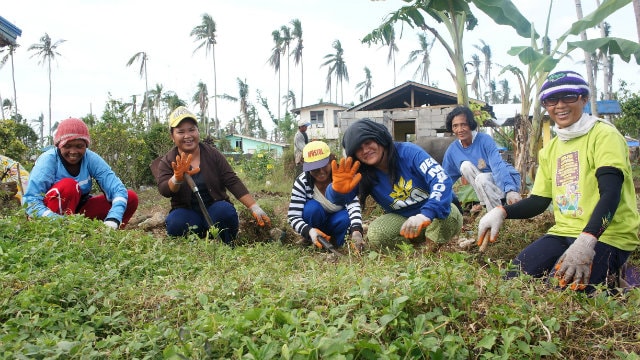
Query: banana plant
(456, 16)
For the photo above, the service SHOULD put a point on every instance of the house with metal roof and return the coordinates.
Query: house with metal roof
(410, 111)
(8, 33)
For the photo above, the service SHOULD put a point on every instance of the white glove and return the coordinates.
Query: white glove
(314, 233)
(259, 214)
(513, 197)
(111, 224)
(490, 221)
(357, 242)
(413, 226)
(574, 266)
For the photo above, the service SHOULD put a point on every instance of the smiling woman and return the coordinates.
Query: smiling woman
(62, 178)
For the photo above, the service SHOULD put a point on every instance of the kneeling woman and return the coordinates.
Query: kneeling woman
(62, 178)
(190, 156)
(310, 213)
(409, 185)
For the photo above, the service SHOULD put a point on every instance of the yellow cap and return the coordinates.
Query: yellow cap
(315, 155)
(179, 114)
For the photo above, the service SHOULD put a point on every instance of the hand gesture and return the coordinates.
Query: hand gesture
(489, 226)
(182, 166)
(574, 266)
(413, 226)
(345, 176)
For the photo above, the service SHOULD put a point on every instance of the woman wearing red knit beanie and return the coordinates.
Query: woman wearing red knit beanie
(61, 181)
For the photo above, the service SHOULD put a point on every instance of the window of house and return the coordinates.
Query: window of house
(335, 118)
(317, 118)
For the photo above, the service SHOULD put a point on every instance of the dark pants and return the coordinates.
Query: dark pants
(223, 214)
(539, 258)
(333, 224)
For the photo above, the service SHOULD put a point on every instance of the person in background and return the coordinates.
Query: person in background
(409, 185)
(475, 157)
(311, 214)
(299, 141)
(61, 180)
(585, 172)
(212, 175)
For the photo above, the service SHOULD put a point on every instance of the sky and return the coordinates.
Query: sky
(101, 36)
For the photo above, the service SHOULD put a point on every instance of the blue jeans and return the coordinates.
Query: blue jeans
(333, 224)
(222, 213)
(539, 258)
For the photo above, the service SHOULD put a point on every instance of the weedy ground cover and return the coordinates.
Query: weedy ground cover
(72, 289)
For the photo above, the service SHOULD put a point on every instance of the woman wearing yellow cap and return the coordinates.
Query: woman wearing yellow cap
(212, 175)
(310, 213)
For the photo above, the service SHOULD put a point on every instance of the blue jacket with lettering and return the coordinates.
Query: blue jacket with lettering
(422, 186)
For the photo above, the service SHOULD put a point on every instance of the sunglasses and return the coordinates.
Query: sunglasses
(567, 99)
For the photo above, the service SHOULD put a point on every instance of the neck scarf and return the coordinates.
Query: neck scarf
(578, 128)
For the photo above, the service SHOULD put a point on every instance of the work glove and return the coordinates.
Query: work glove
(513, 197)
(357, 242)
(413, 226)
(112, 224)
(345, 176)
(314, 234)
(260, 216)
(181, 166)
(574, 266)
(489, 226)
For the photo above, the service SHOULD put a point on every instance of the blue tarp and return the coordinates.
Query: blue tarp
(605, 107)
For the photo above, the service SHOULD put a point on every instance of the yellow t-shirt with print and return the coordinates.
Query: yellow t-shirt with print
(567, 175)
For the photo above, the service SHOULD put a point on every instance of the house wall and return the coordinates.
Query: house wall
(427, 121)
(250, 146)
(330, 129)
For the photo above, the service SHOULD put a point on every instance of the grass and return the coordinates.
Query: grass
(72, 289)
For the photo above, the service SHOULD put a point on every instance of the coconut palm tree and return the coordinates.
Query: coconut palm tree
(142, 57)
(206, 34)
(274, 59)
(47, 50)
(423, 53)
(337, 67)
(475, 83)
(296, 34)
(505, 92)
(389, 38)
(587, 61)
(486, 52)
(155, 100)
(365, 85)
(243, 94)
(289, 100)
(40, 125)
(286, 40)
(9, 55)
(201, 97)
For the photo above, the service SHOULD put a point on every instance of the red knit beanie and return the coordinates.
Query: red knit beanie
(71, 129)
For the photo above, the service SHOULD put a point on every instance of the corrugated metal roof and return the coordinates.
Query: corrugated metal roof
(8, 32)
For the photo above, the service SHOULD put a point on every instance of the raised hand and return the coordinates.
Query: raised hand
(345, 176)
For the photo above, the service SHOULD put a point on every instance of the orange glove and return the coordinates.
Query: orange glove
(260, 216)
(182, 166)
(346, 176)
(314, 234)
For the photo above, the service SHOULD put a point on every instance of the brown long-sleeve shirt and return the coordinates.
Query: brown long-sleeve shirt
(215, 170)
